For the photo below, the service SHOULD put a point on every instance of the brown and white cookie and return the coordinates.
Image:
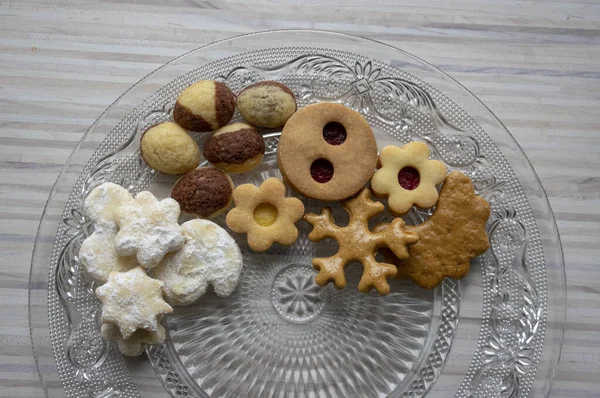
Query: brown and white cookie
(267, 104)
(204, 106)
(235, 148)
(168, 148)
(204, 192)
(327, 151)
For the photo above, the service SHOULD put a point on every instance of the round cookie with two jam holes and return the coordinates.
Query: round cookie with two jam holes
(168, 148)
(204, 106)
(267, 104)
(235, 148)
(327, 151)
(205, 192)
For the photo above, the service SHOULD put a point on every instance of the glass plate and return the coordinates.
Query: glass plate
(496, 333)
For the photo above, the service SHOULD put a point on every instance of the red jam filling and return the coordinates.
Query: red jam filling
(321, 170)
(334, 133)
(408, 178)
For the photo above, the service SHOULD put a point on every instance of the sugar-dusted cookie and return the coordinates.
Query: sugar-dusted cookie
(449, 239)
(209, 256)
(135, 344)
(407, 177)
(132, 300)
(265, 214)
(101, 203)
(357, 243)
(148, 229)
(97, 253)
(327, 151)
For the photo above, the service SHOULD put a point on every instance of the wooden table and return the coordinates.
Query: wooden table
(535, 64)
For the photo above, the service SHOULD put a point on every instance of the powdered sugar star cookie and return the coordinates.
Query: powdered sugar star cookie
(407, 177)
(148, 229)
(134, 345)
(209, 256)
(132, 300)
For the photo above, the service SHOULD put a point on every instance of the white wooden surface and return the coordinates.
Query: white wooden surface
(535, 64)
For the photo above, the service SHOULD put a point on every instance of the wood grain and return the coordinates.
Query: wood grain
(535, 64)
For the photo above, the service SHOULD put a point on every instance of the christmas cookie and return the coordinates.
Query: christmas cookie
(209, 256)
(135, 344)
(148, 229)
(265, 214)
(327, 151)
(204, 106)
(449, 239)
(357, 243)
(407, 177)
(266, 104)
(235, 148)
(132, 301)
(97, 252)
(168, 148)
(204, 192)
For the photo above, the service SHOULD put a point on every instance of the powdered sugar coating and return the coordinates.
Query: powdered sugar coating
(100, 205)
(134, 345)
(99, 257)
(209, 256)
(148, 229)
(132, 300)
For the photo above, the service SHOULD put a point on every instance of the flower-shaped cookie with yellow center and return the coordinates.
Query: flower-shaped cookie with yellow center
(265, 214)
(407, 177)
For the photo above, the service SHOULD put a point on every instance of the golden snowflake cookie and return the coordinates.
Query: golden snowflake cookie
(134, 345)
(265, 214)
(407, 177)
(97, 253)
(357, 243)
(148, 229)
(132, 300)
(209, 256)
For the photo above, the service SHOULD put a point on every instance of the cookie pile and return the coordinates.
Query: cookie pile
(145, 262)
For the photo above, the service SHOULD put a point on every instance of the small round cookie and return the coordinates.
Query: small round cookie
(267, 104)
(168, 148)
(204, 106)
(235, 148)
(204, 192)
(209, 256)
(101, 203)
(327, 151)
(265, 214)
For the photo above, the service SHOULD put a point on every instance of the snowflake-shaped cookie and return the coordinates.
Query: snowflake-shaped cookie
(97, 253)
(132, 300)
(265, 214)
(148, 229)
(357, 243)
(135, 344)
(209, 256)
(407, 177)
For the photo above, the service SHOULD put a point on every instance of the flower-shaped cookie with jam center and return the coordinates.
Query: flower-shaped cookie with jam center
(265, 214)
(407, 177)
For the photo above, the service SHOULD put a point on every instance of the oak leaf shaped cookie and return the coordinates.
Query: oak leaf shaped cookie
(97, 252)
(265, 214)
(357, 243)
(148, 229)
(132, 300)
(387, 182)
(209, 256)
(449, 239)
